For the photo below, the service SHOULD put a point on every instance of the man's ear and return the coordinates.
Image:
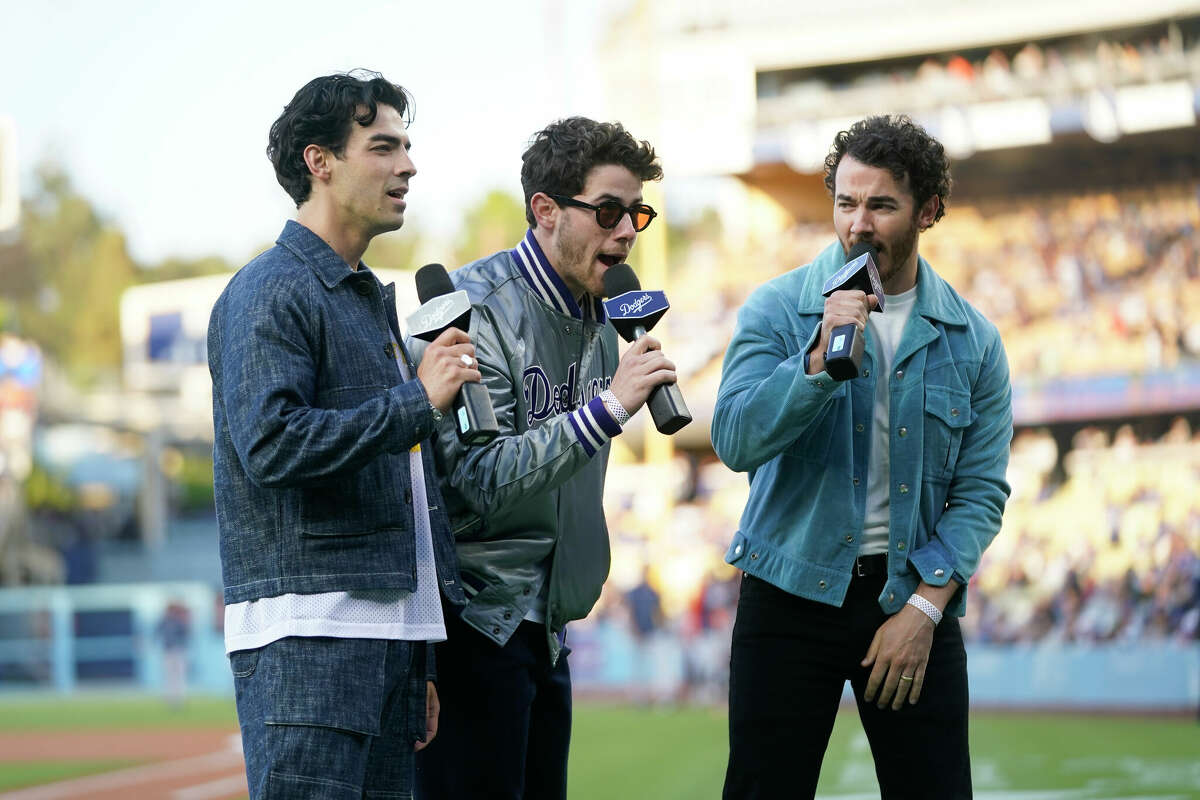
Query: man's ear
(316, 158)
(545, 210)
(928, 212)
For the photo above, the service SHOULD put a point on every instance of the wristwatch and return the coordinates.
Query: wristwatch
(436, 413)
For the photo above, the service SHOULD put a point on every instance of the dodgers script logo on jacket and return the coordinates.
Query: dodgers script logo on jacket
(545, 400)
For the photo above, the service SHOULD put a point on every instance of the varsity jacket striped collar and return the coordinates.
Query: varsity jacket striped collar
(547, 284)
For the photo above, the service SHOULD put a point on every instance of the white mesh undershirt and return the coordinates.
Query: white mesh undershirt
(886, 329)
(363, 614)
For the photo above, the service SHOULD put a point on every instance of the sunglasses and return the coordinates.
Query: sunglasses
(609, 213)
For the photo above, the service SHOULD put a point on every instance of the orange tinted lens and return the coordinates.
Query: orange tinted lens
(641, 217)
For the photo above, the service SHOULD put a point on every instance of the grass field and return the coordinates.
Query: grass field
(619, 752)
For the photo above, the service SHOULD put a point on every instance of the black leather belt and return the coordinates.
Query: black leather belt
(865, 566)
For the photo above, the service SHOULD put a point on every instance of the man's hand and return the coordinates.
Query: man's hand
(443, 369)
(843, 307)
(642, 369)
(900, 652)
(432, 709)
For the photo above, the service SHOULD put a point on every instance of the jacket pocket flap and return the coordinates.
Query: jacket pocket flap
(951, 406)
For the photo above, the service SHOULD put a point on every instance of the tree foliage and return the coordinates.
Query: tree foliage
(64, 278)
(497, 222)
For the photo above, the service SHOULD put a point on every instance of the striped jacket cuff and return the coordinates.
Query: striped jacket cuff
(593, 425)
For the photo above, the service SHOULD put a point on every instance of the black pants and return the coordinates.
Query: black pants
(505, 725)
(790, 660)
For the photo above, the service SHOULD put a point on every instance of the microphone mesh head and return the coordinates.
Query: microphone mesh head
(619, 279)
(433, 281)
(859, 249)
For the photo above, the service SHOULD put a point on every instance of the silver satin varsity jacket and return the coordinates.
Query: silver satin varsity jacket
(526, 507)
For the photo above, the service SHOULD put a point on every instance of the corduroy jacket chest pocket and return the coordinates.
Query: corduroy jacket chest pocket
(947, 414)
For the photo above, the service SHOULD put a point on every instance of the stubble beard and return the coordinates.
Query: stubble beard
(899, 253)
(571, 258)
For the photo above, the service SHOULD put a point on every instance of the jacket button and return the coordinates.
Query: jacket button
(754, 556)
(939, 572)
(856, 481)
(821, 584)
(954, 412)
(820, 384)
(408, 496)
(866, 373)
(903, 432)
(891, 596)
(849, 538)
(737, 551)
(900, 546)
(899, 374)
(859, 427)
(904, 488)
(496, 630)
(508, 615)
(363, 288)
(526, 590)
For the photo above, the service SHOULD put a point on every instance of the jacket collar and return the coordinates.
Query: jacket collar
(548, 285)
(935, 298)
(314, 251)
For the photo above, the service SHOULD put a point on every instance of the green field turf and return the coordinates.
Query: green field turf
(617, 751)
(20, 776)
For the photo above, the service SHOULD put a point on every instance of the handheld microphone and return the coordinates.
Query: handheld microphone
(843, 355)
(633, 312)
(442, 307)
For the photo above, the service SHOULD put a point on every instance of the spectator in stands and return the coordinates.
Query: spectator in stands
(871, 501)
(335, 546)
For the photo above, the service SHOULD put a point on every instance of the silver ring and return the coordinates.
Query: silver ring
(906, 677)
(466, 360)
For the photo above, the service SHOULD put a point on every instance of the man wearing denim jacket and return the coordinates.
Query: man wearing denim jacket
(871, 499)
(335, 547)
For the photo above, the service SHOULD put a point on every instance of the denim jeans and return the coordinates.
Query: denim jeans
(505, 726)
(330, 718)
(790, 661)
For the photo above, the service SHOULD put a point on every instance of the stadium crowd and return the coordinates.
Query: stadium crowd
(1052, 70)
(1110, 552)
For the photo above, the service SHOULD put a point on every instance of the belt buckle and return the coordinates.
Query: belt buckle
(858, 568)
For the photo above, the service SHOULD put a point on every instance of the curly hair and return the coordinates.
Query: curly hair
(560, 156)
(320, 114)
(903, 148)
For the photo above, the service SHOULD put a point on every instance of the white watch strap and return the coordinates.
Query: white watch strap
(614, 407)
(927, 607)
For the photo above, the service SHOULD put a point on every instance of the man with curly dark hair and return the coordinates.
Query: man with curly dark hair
(526, 508)
(335, 545)
(871, 500)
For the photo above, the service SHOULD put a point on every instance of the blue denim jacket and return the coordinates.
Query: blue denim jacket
(313, 424)
(804, 440)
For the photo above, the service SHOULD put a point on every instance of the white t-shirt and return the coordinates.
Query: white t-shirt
(363, 614)
(885, 328)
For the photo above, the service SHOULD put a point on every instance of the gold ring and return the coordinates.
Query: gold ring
(906, 677)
